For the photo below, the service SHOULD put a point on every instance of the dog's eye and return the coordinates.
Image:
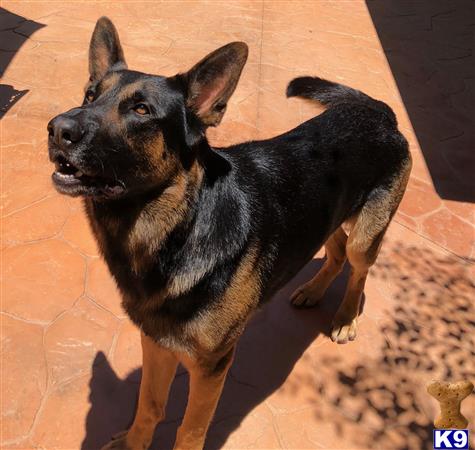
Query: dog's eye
(89, 95)
(141, 109)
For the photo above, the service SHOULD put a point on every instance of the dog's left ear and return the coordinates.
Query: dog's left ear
(105, 51)
(212, 81)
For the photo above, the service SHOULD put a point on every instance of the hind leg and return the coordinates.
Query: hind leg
(362, 248)
(311, 292)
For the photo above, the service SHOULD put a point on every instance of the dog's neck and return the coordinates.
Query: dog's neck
(139, 226)
(166, 243)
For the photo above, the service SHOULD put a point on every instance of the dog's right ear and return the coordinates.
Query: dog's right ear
(105, 51)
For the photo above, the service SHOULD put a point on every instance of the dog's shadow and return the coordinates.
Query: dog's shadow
(273, 342)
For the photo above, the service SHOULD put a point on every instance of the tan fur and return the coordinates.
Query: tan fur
(128, 90)
(161, 161)
(101, 59)
(313, 291)
(233, 309)
(207, 360)
(207, 376)
(158, 372)
(146, 237)
(361, 247)
(112, 117)
(203, 397)
(109, 81)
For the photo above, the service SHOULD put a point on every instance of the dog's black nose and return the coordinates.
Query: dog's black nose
(64, 131)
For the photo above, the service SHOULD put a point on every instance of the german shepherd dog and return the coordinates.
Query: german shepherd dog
(198, 238)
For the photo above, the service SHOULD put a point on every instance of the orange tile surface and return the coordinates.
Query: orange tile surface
(71, 358)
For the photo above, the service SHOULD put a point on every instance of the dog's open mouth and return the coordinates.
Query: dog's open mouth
(71, 180)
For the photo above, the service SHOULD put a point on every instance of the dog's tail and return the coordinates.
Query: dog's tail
(329, 93)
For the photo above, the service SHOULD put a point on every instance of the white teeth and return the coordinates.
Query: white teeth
(78, 174)
(64, 175)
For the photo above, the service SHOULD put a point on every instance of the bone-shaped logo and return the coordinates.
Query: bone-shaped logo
(450, 396)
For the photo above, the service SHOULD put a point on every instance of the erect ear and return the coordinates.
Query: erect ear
(105, 51)
(211, 82)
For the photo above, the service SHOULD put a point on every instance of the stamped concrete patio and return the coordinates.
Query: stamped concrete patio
(70, 357)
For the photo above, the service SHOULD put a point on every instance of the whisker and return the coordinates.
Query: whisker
(102, 163)
(117, 179)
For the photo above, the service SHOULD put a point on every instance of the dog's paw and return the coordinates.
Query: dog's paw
(118, 442)
(343, 330)
(305, 296)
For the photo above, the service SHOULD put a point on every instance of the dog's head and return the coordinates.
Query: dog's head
(135, 131)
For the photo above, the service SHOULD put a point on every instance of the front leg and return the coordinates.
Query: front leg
(206, 384)
(159, 367)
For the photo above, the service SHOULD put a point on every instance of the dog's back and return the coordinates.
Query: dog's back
(303, 184)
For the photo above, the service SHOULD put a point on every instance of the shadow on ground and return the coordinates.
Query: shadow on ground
(14, 31)
(272, 343)
(429, 47)
(382, 401)
(378, 402)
